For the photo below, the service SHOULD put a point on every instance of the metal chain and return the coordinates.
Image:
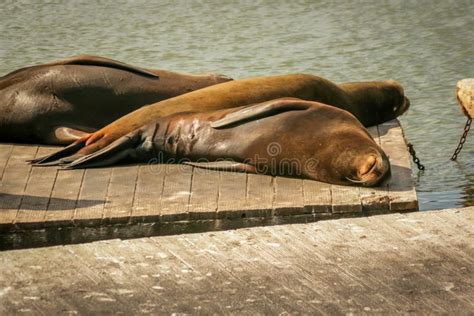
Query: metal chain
(467, 127)
(416, 160)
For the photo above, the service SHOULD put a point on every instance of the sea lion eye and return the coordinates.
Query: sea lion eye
(395, 108)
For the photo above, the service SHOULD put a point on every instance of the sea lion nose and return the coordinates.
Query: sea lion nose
(371, 169)
(367, 165)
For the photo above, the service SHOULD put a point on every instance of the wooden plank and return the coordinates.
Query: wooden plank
(260, 195)
(375, 198)
(232, 195)
(90, 204)
(204, 194)
(64, 197)
(288, 196)
(393, 264)
(401, 186)
(317, 197)
(147, 201)
(32, 210)
(119, 201)
(345, 199)
(5, 152)
(176, 192)
(15, 177)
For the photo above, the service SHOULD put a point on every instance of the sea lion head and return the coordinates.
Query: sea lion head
(375, 102)
(393, 102)
(367, 166)
(346, 153)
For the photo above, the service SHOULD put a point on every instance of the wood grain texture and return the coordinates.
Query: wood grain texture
(418, 263)
(15, 177)
(204, 194)
(176, 193)
(376, 198)
(120, 195)
(288, 196)
(401, 186)
(5, 152)
(232, 194)
(35, 201)
(64, 196)
(149, 188)
(92, 196)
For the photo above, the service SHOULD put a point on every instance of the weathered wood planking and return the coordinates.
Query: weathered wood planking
(93, 193)
(64, 197)
(176, 193)
(33, 206)
(375, 199)
(120, 194)
(148, 192)
(47, 197)
(419, 263)
(15, 177)
(204, 194)
(5, 152)
(401, 186)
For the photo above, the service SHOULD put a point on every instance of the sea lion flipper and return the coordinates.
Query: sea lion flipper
(62, 135)
(121, 148)
(102, 61)
(225, 165)
(54, 158)
(259, 111)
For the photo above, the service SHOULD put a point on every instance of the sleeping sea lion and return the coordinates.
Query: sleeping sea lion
(285, 137)
(371, 102)
(61, 101)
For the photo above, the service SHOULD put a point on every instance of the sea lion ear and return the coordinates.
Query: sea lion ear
(261, 110)
(92, 60)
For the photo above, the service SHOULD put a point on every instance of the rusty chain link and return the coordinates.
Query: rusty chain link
(416, 160)
(467, 127)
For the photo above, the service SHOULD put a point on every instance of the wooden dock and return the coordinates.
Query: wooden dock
(420, 263)
(44, 205)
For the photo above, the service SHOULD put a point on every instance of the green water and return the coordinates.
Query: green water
(426, 45)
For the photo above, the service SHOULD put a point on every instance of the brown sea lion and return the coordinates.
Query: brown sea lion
(286, 137)
(61, 101)
(371, 102)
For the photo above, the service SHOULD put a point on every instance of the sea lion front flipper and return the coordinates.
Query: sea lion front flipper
(63, 135)
(224, 165)
(101, 61)
(261, 110)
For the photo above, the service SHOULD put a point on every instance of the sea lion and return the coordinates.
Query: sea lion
(371, 102)
(61, 101)
(285, 137)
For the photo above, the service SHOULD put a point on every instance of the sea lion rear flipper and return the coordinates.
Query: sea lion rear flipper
(54, 158)
(101, 61)
(122, 148)
(225, 165)
(261, 110)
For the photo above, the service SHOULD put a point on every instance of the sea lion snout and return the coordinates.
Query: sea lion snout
(399, 109)
(371, 169)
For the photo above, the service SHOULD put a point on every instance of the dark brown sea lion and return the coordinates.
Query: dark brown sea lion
(288, 137)
(61, 101)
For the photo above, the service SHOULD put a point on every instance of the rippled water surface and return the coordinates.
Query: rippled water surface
(426, 45)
